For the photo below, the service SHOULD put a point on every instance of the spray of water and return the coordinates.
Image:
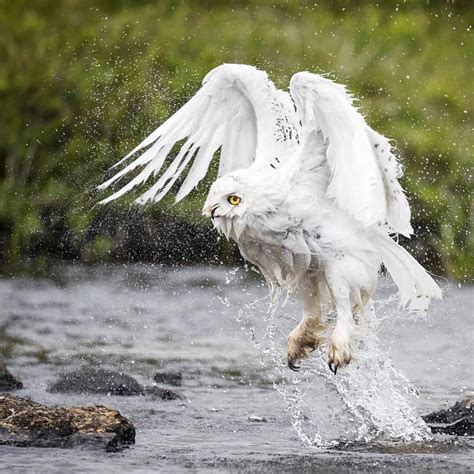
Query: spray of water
(368, 400)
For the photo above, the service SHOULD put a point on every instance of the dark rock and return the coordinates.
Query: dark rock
(168, 378)
(26, 423)
(456, 420)
(162, 393)
(7, 380)
(93, 380)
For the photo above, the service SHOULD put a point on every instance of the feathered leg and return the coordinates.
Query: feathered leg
(308, 335)
(351, 282)
(342, 339)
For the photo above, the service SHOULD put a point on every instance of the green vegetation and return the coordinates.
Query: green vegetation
(82, 81)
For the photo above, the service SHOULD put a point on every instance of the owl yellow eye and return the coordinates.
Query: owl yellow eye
(234, 200)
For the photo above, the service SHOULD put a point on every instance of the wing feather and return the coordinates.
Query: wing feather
(362, 181)
(398, 209)
(200, 166)
(237, 109)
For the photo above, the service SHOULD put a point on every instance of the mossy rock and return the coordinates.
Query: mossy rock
(26, 423)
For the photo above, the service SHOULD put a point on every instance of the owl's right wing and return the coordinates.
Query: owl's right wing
(238, 110)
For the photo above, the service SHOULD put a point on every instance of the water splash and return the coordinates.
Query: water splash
(367, 400)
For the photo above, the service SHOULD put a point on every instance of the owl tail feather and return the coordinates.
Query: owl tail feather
(415, 285)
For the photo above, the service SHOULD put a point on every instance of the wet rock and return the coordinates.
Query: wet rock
(109, 382)
(93, 380)
(162, 393)
(456, 420)
(7, 380)
(168, 378)
(26, 423)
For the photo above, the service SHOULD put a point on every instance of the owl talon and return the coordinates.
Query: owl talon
(292, 366)
(332, 367)
(341, 347)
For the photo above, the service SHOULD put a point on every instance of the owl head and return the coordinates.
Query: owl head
(238, 197)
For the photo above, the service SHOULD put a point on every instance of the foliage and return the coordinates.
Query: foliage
(84, 80)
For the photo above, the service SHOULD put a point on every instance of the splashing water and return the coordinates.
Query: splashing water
(367, 400)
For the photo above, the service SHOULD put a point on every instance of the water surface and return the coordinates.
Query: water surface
(241, 408)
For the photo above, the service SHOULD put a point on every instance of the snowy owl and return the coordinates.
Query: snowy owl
(307, 190)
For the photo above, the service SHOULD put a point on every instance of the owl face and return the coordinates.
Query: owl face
(240, 200)
(228, 203)
(228, 197)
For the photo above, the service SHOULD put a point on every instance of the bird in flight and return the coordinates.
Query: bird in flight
(306, 188)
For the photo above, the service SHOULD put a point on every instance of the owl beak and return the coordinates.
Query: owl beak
(213, 212)
(210, 211)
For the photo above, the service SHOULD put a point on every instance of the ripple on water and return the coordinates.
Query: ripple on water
(199, 321)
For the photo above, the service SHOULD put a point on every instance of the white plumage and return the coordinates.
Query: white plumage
(307, 190)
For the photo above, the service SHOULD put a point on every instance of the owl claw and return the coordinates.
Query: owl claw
(292, 366)
(333, 367)
(341, 348)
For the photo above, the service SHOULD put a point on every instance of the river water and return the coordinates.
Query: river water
(241, 408)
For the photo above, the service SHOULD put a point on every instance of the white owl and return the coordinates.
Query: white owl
(307, 190)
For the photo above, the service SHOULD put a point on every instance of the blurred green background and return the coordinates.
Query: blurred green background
(82, 81)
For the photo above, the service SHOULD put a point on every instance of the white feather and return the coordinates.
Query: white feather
(416, 287)
(239, 109)
(361, 180)
(398, 210)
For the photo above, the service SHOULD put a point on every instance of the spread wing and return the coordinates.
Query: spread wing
(363, 170)
(237, 110)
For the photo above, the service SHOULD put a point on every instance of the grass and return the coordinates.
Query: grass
(84, 81)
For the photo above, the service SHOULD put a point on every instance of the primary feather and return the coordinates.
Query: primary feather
(238, 110)
(363, 171)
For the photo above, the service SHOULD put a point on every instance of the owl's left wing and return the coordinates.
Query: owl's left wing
(363, 170)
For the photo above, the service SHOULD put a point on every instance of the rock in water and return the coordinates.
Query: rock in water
(162, 393)
(7, 380)
(456, 420)
(169, 378)
(26, 423)
(92, 380)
